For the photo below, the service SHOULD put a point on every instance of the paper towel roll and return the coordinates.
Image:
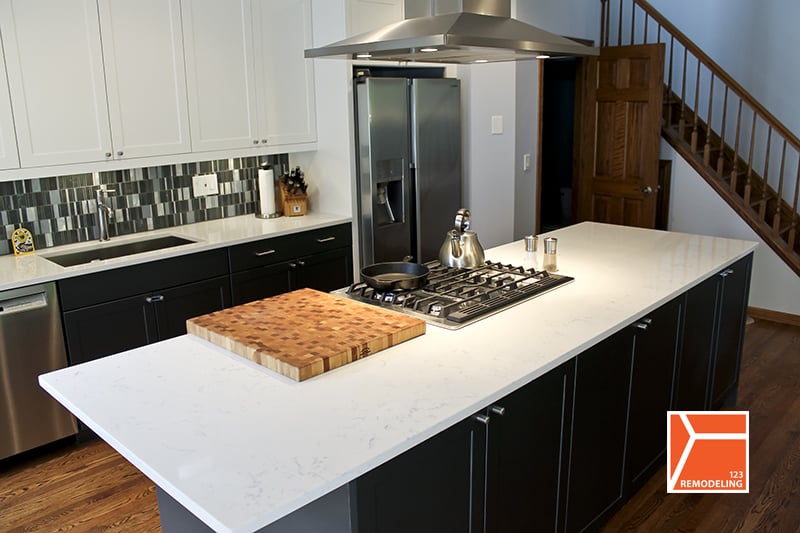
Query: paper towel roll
(266, 193)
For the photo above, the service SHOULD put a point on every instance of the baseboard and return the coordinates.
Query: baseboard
(774, 316)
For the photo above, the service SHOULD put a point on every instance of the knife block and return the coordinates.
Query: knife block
(294, 205)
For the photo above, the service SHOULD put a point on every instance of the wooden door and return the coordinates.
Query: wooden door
(619, 135)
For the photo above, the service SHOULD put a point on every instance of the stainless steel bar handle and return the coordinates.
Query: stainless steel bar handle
(326, 239)
(483, 419)
(265, 252)
(498, 410)
(155, 298)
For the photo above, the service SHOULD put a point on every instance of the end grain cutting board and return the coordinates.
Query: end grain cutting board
(304, 333)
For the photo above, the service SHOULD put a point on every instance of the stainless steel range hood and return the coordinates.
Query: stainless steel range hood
(454, 31)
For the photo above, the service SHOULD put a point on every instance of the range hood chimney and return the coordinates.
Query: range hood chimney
(454, 31)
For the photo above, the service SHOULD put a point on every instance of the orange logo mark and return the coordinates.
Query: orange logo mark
(708, 451)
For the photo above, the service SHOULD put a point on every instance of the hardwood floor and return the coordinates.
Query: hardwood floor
(769, 387)
(90, 488)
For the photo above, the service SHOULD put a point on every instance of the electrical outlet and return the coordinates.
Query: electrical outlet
(205, 184)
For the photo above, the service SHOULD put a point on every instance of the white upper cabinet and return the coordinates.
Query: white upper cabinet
(282, 32)
(8, 141)
(219, 74)
(248, 82)
(145, 79)
(366, 15)
(55, 74)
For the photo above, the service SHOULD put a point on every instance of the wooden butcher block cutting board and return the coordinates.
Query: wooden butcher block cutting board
(304, 333)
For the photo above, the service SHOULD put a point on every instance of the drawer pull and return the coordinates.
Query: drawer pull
(265, 252)
(326, 239)
(154, 299)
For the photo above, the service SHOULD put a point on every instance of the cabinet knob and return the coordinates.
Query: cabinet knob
(498, 410)
(292, 265)
(642, 326)
(301, 263)
(726, 273)
(255, 141)
(263, 141)
(108, 154)
(120, 153)
(155, 298)
(483, 419)
(648, 190)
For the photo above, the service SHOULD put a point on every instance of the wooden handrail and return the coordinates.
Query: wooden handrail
(719, 72)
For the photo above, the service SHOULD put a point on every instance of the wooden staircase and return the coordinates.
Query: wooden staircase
(744, 153)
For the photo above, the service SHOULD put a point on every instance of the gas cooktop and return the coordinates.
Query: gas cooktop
(455, 297)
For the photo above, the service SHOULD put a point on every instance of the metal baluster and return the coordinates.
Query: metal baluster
(633, 20)
(646, 23)
(619, 29)
(603, 23)
(669, 82)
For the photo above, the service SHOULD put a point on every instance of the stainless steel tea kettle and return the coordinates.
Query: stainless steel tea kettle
(461, 248)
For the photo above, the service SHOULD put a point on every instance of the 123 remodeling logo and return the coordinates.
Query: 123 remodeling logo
(708, 451)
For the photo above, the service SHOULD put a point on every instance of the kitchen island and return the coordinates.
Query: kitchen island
(240, 447)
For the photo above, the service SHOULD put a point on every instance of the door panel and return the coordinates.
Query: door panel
(620, 124)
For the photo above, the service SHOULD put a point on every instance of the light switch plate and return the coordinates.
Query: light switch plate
(205, 184)
(526, 162)
(497, 124)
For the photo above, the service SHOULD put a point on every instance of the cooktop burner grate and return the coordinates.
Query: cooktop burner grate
(455, 297)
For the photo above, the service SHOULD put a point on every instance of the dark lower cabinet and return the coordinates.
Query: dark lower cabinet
(498, 471)
(436, 487)
(733, 293)
(526, 456)
(112, 327)
(656, 343)
(599, 422)
(713, 332)
(320, 259)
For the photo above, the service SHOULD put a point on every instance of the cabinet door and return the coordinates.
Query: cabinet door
(655, 353)
(219, 74)
(525, 490)
(694, 366)
(437, 486)
(55, 74)
(99, 330)
(602, 381)
(145, 76)
(284, 77)
(8, 140)
(326, 271)
(259, 283)
(174, 306)
(735, 286)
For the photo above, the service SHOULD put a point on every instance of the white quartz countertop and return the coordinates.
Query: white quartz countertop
(35, 268)
(240, 446)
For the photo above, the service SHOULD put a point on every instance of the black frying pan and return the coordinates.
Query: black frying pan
(394, 276)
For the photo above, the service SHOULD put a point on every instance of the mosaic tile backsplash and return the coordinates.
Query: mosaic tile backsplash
(62, 210)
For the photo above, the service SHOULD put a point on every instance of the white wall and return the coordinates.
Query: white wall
(330, 169)
(696, 208)
(571, 18)
(755, 42)
(489, 90)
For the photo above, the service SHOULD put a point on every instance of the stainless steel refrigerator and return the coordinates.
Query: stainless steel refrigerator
(408, 137)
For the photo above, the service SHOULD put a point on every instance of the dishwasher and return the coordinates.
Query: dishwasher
(31, 343)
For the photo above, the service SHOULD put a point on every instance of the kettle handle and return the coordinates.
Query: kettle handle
(462, 222)
(455, 243)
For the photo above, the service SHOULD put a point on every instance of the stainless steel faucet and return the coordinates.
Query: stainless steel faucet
(104, 212)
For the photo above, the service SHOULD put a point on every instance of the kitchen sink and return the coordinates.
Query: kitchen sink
(112, 251)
